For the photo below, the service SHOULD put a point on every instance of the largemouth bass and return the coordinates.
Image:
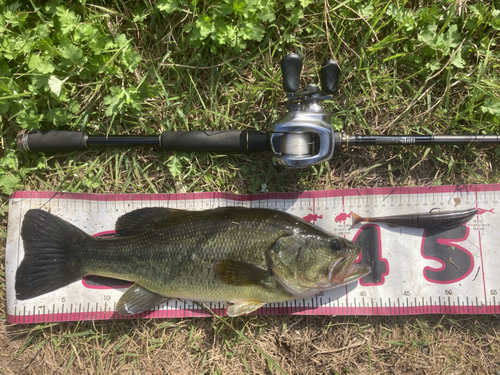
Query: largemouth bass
(245, 256)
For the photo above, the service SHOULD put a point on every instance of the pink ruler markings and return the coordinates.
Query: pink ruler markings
(354, 308)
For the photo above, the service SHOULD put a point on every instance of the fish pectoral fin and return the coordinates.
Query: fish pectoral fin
(138, 299)
(242, 307)
(143, 219)
(233, 272)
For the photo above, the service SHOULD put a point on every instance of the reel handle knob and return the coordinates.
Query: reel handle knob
(291, 66)
(329, 76)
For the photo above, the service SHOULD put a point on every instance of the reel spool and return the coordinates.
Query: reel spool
(297, 144)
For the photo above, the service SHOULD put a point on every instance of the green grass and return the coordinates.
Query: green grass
(408, 67)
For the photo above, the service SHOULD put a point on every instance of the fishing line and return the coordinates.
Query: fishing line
(298, 144)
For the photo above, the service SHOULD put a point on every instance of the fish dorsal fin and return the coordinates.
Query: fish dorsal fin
(142, 219)
(242, 307)
(138, 299)
(233, 272)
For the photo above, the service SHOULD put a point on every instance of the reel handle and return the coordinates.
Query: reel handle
(329, 76)
(291, 66)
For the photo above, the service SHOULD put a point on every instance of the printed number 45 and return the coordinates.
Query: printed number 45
(444, 247)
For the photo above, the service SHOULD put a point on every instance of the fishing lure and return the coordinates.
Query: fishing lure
(445, 219)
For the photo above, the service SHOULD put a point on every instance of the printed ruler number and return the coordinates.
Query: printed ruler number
(371, 254)
(446, 248)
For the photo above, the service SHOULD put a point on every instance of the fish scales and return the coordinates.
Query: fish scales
(178, 260)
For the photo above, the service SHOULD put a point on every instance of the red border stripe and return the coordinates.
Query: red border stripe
(198, 313)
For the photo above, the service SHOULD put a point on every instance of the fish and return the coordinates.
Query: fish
(433, 219)
(246, 257)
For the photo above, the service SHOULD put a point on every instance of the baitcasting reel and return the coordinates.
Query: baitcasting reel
(304, 136)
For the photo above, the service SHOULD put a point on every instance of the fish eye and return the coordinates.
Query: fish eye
(336, 245)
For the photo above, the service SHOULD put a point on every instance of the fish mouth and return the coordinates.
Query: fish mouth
(344, 270)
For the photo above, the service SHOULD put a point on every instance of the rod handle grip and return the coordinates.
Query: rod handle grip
(51, 140)
(241, 141)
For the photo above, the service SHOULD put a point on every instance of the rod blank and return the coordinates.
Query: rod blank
(367, 140)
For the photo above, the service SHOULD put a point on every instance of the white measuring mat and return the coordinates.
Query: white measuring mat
(414, 271)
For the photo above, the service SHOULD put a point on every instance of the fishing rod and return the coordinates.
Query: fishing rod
(303, 136)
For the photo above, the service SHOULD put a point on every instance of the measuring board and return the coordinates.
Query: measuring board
(414, 271)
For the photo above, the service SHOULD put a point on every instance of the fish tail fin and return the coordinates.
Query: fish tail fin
(50, 254)
(355, 218)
